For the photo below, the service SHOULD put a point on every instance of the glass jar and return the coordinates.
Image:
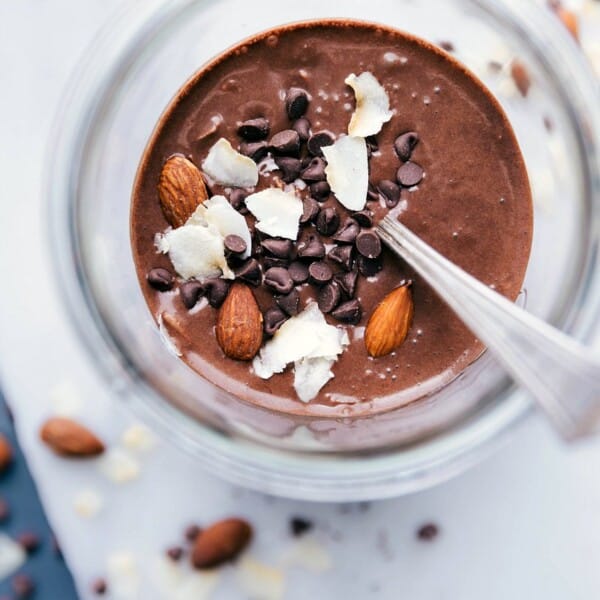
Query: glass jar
(116, 97)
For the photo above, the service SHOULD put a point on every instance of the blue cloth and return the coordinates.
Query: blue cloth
(45, 565)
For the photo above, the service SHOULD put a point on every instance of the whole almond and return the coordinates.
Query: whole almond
(6, 453)
(221, 542)
(240, 324)
(569, 20)
(390, 321)
(69, 438)
(181, 189)
(520, 76)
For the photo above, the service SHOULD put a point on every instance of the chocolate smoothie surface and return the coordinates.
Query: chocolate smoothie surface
(463, 189)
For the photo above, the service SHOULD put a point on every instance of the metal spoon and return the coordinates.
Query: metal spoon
(561, 374)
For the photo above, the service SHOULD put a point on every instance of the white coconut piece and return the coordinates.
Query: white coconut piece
(66, 399)
(228, 167)
(347, 171)
(119, 466)
(196, 251)
(259, 581)
(88, 503)
(372, 105)
(310, 343)
(123, 576)
(310, 375)
(12, 556)
(278, 212)
(196, 586)
(307, 553)
(138, 438)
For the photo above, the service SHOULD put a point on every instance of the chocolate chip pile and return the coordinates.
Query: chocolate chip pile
(334, 248)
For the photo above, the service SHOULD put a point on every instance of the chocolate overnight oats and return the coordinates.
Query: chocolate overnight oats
(253, 211)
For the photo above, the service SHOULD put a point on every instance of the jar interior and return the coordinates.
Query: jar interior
(155, 61)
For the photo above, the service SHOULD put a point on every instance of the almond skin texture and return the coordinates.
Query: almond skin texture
(220, 543)
(68, 438)
(240, 324)
(181, 189)
(6, 453)
(389, 324)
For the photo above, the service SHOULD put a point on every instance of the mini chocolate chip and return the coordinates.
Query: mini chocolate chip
(273, 319)
(254, 150)
(347, 233)
(296, 103)
(192, 532)
(268, 262)
(315, 171)
(216, 291)
(319, 273)
(328, 221)
(310, 210)
(329, 297)
(347, 282)
(175, 553)
(237, 199)
(369, 266)
(286, 142)
(320, 190)
(279, 280)
(372, 142)
(390, 192)
(409, 174)
(29, 541)
(428, 532)
(368, 243)
(341, 255)
(300, 526)
(278, 248)
(290, 303)
(302, 128)
(311, 247)
(290, 168)
(298, 272)
(319, 139)
(190, 292)
(99, 586)
(234, 244)
(160, 279)
(249, 272)
(446, 45)
(364, 218)
(253, 130)
(5, 509)
(349, 312)
(372, 193)
(22, 586)
(405, 144)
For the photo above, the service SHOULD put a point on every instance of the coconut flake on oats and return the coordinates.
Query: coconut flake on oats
(311, 344)
(228, 167)
(347, 171)
(372, 105)
(196, 249)
(277, 212)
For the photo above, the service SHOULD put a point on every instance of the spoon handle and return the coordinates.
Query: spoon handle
(562, 375)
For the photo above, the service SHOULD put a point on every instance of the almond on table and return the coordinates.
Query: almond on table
(69, 438)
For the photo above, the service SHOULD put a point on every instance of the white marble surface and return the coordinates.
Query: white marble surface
(526, 524)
